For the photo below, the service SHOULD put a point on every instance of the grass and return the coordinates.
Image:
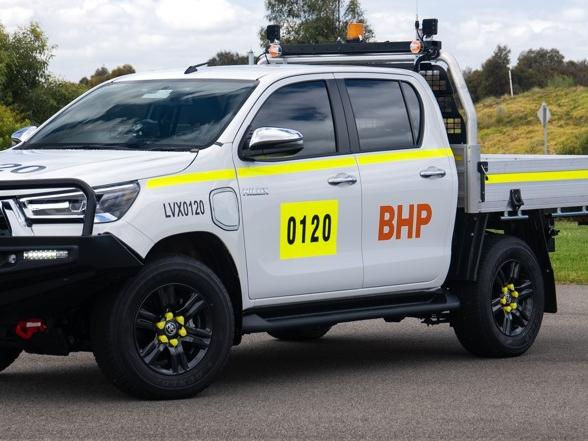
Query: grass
(510, 125)
(570, 261)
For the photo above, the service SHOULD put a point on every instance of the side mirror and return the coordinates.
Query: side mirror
(21, 135)
(270, 141)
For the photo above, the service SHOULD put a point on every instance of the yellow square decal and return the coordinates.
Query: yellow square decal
(308, 229)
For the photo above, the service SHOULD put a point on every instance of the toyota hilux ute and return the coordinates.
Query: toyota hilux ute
(159, 217)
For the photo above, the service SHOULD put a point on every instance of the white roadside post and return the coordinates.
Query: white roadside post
(544, 116)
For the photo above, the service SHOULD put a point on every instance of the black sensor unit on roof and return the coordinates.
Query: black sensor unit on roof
(273, 33)
(430, 27)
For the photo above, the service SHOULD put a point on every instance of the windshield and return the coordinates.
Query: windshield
(146, 115)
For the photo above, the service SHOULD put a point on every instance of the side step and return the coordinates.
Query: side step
(271, 319)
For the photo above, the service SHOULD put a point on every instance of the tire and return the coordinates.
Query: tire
(7, 357)
(302, 334)
(168, 333)
(485, 325)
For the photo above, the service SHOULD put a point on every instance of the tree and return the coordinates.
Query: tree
(227, 58)
(28, 92)
(492, 78)
(10, 122)
(473, 79)
(24, 65)
(314, 21)
(578, 70)
(536, 67)
(4, 40)
(51, 96)
(102, 74)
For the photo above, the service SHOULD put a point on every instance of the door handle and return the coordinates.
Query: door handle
(342, 178)
(433, 172)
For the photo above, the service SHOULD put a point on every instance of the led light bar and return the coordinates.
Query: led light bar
(36, 255)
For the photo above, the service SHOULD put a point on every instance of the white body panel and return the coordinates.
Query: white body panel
(273, 276)
(405, 258)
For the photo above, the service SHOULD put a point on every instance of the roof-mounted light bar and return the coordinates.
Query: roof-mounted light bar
(355, 45)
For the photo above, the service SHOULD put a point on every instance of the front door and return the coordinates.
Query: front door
(302, 213)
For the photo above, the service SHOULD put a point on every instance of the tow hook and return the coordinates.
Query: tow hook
(25, 329)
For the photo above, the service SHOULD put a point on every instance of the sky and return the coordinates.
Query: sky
(169, 34)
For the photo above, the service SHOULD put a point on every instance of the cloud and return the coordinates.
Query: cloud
(149, 34)
(575, 14)
(163, 34)
(202, 15)
(13, 16)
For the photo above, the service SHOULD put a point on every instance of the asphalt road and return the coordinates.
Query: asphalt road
(368, 380)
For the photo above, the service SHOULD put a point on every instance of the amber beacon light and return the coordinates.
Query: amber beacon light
(355, 32)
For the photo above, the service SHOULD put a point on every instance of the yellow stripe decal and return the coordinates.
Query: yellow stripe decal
(191, 178)
(296, 167)
(403, 155)
(507, 178)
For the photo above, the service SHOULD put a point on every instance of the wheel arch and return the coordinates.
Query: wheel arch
(471, 231)
(211, 251)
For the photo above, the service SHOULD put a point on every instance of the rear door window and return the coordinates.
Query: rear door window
(413, 104)
(381, 115)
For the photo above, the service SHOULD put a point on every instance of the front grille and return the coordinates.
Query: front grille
(5, 230)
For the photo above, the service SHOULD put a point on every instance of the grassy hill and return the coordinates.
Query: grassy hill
(510, 125)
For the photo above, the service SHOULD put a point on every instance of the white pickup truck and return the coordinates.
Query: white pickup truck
(159, 217)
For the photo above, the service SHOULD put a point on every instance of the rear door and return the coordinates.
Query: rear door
(302, 213)
(409, 181)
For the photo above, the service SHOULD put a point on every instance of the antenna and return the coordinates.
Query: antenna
(417, 24)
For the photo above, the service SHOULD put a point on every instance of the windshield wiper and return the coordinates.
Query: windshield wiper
(183, 148)
(75, 146)
(144, 146)
(147, 146)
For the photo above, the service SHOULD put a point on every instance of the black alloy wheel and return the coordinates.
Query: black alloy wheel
(173, 329)
(512, 304)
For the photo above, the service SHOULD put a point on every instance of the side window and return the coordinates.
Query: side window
(413, 104)
(304, 107)
(380, 114)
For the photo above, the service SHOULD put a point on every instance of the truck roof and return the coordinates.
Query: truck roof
(256, 72)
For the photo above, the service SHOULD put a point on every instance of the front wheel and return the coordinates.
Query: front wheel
(501, 313)
(168, 333)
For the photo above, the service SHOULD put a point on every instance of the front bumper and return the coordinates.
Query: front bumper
(88, 258)
(38, 272)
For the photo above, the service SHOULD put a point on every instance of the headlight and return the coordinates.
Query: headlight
(112, 204)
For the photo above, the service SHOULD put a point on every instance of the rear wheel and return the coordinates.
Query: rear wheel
(502, 312)
(168, 333)
(301, 334)
(7, 357)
